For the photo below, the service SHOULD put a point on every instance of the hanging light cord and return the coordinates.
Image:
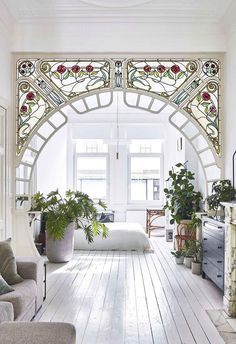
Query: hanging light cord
(117, 129)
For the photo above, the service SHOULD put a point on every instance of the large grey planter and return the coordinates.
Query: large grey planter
(61, 251)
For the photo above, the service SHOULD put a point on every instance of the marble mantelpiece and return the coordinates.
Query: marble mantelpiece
(230, 258)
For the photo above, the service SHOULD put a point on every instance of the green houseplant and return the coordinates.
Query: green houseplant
(222, 191)
(64, 214)
(181, 198)
(197, 257)
(179, 256)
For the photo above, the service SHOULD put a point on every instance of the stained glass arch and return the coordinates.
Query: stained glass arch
(188, 88)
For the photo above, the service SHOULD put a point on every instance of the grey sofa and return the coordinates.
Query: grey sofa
(21, 306)
(32, 332)
(27, 297)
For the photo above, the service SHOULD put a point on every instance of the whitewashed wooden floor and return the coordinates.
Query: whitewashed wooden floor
(129, 297)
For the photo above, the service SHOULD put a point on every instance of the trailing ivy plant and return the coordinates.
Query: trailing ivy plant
(75, 207)
(181, 198)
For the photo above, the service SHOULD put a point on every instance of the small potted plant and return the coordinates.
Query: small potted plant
(62, 215)
(188, 253)
(197, 257)
(179, 256)
(222, 191)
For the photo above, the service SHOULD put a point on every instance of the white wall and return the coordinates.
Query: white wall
(6, 29)
(119, 37)
(52, 164)
(229, 116)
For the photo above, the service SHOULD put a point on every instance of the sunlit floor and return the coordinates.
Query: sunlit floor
(131, 297)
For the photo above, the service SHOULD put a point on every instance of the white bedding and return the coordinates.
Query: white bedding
(122, 236)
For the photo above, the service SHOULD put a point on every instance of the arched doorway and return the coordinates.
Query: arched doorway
(188, 88)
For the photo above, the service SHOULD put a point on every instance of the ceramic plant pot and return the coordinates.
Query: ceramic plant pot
(196, 268)
(61, 251)
(188, 262)
(179, 260)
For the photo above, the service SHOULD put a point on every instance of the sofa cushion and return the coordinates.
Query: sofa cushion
(4, 286)
(8, 268)
(21, 298)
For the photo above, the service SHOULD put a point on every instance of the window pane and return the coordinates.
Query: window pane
(145, 146)
(145, 178)
(91, 176)
(91, 146)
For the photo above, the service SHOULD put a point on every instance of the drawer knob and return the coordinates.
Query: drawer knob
(205, 263)
(205, 251)
(219, 261)
(204, 238)
(219, 275)
(220, 247)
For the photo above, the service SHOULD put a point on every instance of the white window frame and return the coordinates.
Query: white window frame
(147, 202)
(95, 155)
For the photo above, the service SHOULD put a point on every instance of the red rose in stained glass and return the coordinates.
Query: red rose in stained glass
(30, 96)
(175, 69)
(161, 68)
(206, 96)
(212, 109)
(147, 69)
(24, 108)
(89, 68)
(61, 69)
(75, 69)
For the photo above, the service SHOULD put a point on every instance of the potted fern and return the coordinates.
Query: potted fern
(64, 214)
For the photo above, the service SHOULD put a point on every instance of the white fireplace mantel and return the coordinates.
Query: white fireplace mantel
(230, 258)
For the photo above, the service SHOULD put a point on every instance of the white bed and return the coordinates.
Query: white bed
(122, 236)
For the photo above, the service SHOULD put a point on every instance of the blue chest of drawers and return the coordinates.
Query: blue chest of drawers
(213, 238)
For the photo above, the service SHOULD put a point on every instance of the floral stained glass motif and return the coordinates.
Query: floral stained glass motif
(162, 77)
(76, 77)
(32, 107)
(204, 108)
(47, 84)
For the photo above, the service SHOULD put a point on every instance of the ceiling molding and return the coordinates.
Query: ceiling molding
(31, 11)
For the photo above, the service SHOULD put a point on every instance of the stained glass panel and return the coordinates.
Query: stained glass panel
(32, 107)
(162, 77)
(204, 108)
(75, 77)
(190, 85)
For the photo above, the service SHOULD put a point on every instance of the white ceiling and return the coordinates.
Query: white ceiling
(209, 11)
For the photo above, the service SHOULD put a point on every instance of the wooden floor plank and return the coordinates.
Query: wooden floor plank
(162, 322)
(144, 326)
(162, 287)
(109, 302)
(91, 331)
(131, 317)
(131, 298)
(206, 329)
